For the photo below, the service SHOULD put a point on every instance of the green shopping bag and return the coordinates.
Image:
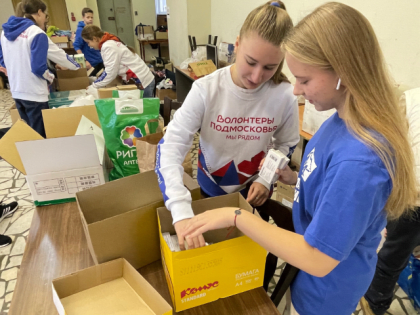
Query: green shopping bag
(123, 121)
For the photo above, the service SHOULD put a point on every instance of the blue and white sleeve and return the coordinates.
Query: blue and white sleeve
(39, 56)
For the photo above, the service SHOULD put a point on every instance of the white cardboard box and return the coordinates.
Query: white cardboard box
(313, 119)
(58, 168)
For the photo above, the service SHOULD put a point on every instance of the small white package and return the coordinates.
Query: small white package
(274, 160)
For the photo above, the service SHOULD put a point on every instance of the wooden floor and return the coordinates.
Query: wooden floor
(57, 246)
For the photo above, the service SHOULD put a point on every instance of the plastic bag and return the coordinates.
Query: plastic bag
(185, 63)
(83, 101)
(130, 94)
(409, 281)
(123, 121)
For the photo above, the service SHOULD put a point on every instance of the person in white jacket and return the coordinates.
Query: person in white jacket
(118, 60)
(240, 109)
(24, 52)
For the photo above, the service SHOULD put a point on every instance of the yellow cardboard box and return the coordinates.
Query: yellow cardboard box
(232, 264)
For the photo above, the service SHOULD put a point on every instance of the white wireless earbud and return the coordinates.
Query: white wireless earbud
(338, 85)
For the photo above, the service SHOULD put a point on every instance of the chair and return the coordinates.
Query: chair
(282, 217)
(168, 106)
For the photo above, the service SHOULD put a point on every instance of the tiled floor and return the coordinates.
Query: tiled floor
(13, 188)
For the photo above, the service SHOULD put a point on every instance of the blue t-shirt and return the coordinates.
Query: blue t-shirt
(339, 205)
(92, 55)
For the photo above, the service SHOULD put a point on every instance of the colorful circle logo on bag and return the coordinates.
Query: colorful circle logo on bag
(129, 136)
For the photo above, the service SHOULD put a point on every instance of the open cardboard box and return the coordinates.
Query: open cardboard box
(232, 264)
(113, 288)
(56, 168)
(72, 79)
(119, 218)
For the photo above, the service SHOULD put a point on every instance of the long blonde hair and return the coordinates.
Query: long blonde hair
(272, 23)
(338, 38)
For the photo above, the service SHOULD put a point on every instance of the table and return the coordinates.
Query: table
(150, 42)
(57, 246)
(184, 80)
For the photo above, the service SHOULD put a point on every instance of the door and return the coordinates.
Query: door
(107, 16)
(124, 21)
(57, 11)
(116, 18)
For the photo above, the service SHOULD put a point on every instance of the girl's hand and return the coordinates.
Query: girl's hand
(257, 194)
(208, 221)
(287, 176)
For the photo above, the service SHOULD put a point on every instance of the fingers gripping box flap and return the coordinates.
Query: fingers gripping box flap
(119, 218)
(114, 287)
(231, 265)
(20, 131)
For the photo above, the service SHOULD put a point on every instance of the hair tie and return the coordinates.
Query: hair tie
(276, 4)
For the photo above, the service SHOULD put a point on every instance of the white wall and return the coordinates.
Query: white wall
(397, 26)
(76, 7)
(147, 15)
(187, 17)
(178, 30)
(6, 11)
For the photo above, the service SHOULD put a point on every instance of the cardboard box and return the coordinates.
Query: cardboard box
(202, 68)
(313, 119)
(119, 218)
(145, 32)
(72, 79)
(107, 92)
(14, 114)
(161, 93)
(114, 287)
(56, 169)
(20, 131)
(63, 122)
(161, 35)
(285, 194)
(169, 66)
(59, 39)
(233, 264)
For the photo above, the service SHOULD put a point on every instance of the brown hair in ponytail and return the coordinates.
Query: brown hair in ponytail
(28, 7)
(272, 23)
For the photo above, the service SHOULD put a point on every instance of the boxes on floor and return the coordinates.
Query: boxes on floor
(72, 79)
(313, 119)
(56, 168)
(285, 194)
(14, 114)
(114, 287)
(233, 264)
(119, 218)
(162, 93)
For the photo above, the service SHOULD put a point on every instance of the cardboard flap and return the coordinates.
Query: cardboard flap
(202, 68)
(20, 131)
(70, 74)
(63, 122)
(128, 87)
(58, 154)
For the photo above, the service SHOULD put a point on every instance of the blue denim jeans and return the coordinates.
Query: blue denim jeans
(30, 112)
(149, 91)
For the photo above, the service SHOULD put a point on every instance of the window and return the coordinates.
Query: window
(160, 6)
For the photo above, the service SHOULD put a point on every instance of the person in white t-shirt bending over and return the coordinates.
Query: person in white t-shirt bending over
(240, 109)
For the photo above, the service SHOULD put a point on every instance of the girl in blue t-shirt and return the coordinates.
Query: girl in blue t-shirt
(356, 170)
